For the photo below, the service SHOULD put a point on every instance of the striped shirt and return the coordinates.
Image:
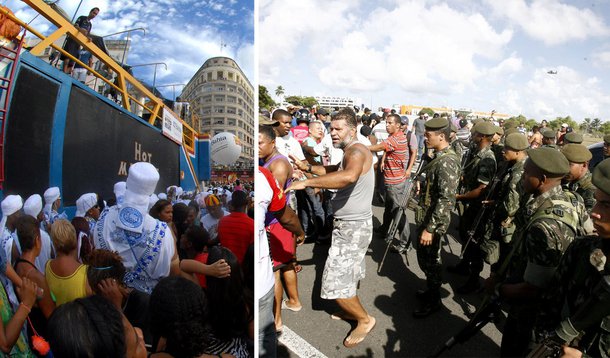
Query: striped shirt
(395, 165)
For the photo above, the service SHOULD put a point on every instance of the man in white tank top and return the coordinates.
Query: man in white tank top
(352, 229)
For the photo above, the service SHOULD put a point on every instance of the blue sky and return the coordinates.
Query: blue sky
(181, 33)
(481, 55)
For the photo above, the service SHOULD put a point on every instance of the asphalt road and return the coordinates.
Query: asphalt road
(390, 298)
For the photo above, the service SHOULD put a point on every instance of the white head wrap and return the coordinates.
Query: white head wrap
(84, 203)
(10, 205)
(50, 195)
(141, 183)
(162, 196)
(152, 200)
(33, 205)
(119, 191)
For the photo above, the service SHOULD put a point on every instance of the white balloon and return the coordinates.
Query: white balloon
(225, 148)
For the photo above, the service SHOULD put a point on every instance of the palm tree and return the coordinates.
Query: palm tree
(279, 92)
(596, 124)
(586, 125)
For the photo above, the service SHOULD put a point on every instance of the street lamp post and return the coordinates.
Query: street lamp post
(127, 41)
(155, 73)
(173, 88)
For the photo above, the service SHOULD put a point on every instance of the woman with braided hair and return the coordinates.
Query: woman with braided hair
(105, 274)
(93, 327)
(177, 319)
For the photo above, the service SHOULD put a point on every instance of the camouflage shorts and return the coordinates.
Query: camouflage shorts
(345, 265)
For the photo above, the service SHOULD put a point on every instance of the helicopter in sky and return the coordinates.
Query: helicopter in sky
(551, 72)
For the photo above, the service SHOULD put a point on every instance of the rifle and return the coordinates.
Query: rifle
(488, 312)
(480, 215)
(393, 228)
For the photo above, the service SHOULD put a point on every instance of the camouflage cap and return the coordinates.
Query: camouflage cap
(510, 124)
(573, 137)
(264, 121)
(509, 131)
(436, 124)
(516, 141)
(548, 133)
(601, 176)
(607, 138)
(549, 160)
(485, 128)
(477, 121)
(499, 130)
(576, 153)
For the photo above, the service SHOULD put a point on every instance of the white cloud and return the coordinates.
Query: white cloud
(601, 59)
(551, 21)
(347, 48)
(546, 96)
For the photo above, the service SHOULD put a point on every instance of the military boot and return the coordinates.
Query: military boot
(432, 304)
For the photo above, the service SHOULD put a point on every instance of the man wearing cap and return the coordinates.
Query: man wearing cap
(433, 214)
(396, 173)
(548, 139)
(352, 227)
(52, 199)
(573, 138)
(301, 131)
(86, 207)
(33, 208)
(146, 244)
(561, 133)
(215, 213)
(499, 228)
(478, 173)
(578, 179)
(577, 292)
(455, 143)
(545, 226)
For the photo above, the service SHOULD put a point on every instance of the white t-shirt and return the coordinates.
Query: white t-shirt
(210, 223)
(288, 145)
(264, 268)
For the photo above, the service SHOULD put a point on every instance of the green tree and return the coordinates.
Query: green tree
(557, 122)
(302, 101)
(427, 111)
(530, 123)
(586, 125)
(605, 127)
(279, 91)
(264, 99)
(596, 124)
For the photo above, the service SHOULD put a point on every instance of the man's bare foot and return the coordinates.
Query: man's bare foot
(359, 333)
(342, 315)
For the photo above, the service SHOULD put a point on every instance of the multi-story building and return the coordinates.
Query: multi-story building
(222, 98)
(336, 101)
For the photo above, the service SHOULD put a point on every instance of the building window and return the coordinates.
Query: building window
(209, 76)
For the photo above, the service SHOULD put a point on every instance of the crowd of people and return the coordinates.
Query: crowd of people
(167, 275)
(526, 202)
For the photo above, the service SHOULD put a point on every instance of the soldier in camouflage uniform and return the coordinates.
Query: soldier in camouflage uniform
(456, 144)
(579, 179)
(548, 138)
(497, 144)
(433, 214)
(579, 290)
(478, 173)
(546, 223)
(500, 227)
(607, 146)
(573, 138)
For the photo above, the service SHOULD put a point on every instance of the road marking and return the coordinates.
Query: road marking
(298, 345)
